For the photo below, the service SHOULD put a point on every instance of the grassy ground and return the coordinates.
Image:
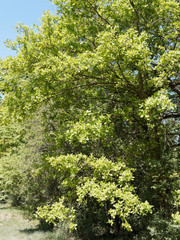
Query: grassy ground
(14, 226)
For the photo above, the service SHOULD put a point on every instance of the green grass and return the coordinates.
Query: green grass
(14, 226)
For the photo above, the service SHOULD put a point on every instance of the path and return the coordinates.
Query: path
(13, 226)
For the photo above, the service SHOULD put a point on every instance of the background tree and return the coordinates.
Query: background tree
(105, 76)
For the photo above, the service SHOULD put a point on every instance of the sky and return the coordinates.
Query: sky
(28, 12)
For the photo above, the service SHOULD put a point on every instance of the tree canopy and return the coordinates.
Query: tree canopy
(91, 108)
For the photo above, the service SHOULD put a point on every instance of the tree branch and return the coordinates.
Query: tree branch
(173, 86)
(172, 115)
(137, 16)
(99, 15)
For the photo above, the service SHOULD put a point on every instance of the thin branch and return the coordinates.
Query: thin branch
(176, 41)
(176, 83)
(140, 124)
(175, 145)
(174, 88)
(90, 76)
(83, 86)
(99, 15)
(137, 16)
(172, 115)
(130, 85)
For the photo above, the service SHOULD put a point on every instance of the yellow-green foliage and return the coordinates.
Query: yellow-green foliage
(99, 179)
(103, 79)
(176, 216)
